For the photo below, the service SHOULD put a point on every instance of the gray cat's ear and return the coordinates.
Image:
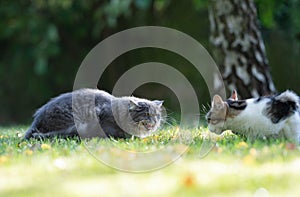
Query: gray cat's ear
(217, 102)
(234, 96)
(158, 103)
(133, 105)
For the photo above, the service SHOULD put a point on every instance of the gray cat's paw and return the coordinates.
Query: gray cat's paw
(38, 136)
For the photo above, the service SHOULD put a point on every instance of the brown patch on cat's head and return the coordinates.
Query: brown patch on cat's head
(216, 116)
(222, 110)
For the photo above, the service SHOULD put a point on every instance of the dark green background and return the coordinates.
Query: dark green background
(44, 42)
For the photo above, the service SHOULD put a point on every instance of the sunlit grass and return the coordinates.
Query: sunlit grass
(233, 166)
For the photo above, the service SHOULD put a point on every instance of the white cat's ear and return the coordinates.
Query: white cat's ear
(217, 102)
(234, 96)
(158, 103)
(133, 105)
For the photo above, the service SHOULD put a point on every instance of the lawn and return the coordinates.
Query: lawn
(164, 164)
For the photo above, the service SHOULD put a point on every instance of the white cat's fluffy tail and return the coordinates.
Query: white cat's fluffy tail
(288, 96)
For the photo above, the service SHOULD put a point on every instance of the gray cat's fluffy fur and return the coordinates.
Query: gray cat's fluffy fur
(95, 113)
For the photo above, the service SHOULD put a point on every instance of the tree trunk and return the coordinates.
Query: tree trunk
(238, 47)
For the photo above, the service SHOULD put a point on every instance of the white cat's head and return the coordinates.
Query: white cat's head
(221, 111)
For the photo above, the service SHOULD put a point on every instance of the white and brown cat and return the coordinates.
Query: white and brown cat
(277, 115)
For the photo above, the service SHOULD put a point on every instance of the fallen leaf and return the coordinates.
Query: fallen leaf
(28, 152)
(45, 147)
(189, 180)
(249, 160)
(253, 152)
(3, 159)
(242, 145)
(290, 146)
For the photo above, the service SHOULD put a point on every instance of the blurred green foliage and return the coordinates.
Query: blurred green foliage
(282, 14)
(44, 41)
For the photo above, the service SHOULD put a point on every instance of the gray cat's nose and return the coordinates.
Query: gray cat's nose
(208, 119)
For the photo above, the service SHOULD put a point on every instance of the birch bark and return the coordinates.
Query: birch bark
(238, 47)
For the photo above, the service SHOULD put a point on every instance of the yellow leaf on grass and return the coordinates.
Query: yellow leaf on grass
(189, 180)
(45, 147)
(3, 137)
(28, 152)
(3, 159)
(249, 160)
(242, 145)
(253, 152)
(217, 149)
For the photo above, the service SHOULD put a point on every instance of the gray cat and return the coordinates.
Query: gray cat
(94, 113)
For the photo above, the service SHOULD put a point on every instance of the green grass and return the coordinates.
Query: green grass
(233, 167)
